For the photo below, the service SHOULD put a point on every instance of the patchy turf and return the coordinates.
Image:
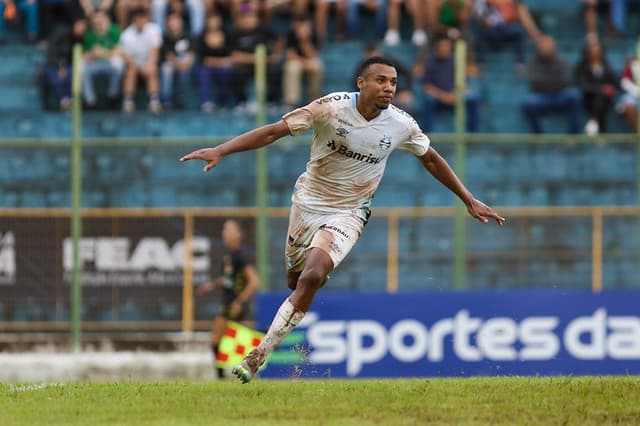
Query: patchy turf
(512, 400)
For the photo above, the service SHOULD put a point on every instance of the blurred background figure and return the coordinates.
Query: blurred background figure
(449, 17)
(177, 62)
(249, 33)
(598, 83)
(215, 66)
(102, 56)
(58, 66)
(302, 62)
(239, 284)
(89, 7)
(124, 10)
(141, 43)
(630, 84)
(438, 83)
(551, 88)
(11, 10)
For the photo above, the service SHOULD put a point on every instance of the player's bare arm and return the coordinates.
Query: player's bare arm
(438, 167)
(254, 139)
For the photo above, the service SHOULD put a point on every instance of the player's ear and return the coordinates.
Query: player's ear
(359, 81)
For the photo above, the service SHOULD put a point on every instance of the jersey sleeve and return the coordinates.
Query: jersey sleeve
(417, 143)
(304, 118)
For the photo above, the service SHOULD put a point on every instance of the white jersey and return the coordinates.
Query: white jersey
(348, 153)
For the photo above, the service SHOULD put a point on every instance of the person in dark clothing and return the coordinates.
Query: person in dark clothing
(439, 88)
(214, 53)
(239, 283)
(597, 81)
(177, 58)
(248, 34)
(550, 87)
(57, 69)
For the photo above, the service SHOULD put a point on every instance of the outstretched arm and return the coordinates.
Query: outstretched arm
(254, 139)
(438, 167)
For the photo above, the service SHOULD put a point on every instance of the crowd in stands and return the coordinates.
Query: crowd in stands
(166, 45)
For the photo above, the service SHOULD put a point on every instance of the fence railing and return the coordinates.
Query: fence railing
(140, 265)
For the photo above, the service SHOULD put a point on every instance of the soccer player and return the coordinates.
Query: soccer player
(354, 133)
(239, 283)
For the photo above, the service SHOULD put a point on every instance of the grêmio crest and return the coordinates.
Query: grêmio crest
(385, 143)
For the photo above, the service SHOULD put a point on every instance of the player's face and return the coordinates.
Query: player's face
(231, 234)
(378, 85)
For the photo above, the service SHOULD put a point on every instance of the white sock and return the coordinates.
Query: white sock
(285, 319)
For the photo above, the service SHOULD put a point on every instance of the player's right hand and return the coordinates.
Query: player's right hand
(210, 155)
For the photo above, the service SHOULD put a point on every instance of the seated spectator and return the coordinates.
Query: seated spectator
(9, 11)
(160, 9)
(290, 7)
(177, 61)
(597, 81)
(141, 43)
(449, 17)
(248, 34)
(102, 57)
(417, 10)
(404, 97)
(302, 60)
(58, 65)
(630, 84)
(214, 51)
(503, 21)
(550, 87)
(57, 13)
(439, 86)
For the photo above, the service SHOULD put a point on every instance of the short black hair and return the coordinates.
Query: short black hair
(374, 60)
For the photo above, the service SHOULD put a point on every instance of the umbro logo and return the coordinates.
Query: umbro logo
(341, 131)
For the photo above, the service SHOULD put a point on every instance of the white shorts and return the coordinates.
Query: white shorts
(335, 233)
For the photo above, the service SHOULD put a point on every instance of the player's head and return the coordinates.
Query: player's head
(377, 80)
(231, 233)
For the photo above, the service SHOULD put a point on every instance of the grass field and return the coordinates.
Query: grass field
(514, 400)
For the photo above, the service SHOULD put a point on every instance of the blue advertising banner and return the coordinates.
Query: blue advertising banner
(489, 333)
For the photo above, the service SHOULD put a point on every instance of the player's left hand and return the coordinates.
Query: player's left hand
(482, 212)
(210, 155)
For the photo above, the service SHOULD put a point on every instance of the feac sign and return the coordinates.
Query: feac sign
(119, 254)
(360, 342)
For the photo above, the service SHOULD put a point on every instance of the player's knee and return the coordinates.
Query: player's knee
(312, 278)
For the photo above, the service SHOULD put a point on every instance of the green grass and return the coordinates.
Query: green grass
(513, 400)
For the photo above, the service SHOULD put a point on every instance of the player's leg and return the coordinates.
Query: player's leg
(217, 331)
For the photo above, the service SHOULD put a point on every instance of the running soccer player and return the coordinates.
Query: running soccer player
(354, 133)
(239, 282)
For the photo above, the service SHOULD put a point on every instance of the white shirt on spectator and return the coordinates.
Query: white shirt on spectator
(138, 44)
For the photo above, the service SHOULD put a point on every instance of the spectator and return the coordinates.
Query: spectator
(215, 65)
(248, 34)
(160, 9)
(630, 84)
(597, 81)
(503, 21)
(177, 61)
(141, 43)
(449, 17)
(417, 10)
(58, 66)
(9, 11)
(102, 57)
(550, 87)
(404, 97)
(302, 60)
(290, 7)
(439, 86)
(55, 13)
